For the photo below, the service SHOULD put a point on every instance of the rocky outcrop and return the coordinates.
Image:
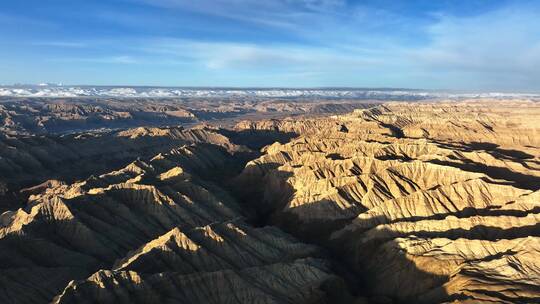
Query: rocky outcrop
(44, 116)
(155, 230)
(218, 263)
(35, 115)
(398, 203)
(298, 282)
(426, 202)
(27, 161)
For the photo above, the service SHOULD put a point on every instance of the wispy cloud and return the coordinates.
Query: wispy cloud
(60, 44)
(277, 13)
(120, 59)
(318, 42)
(20, 20)
(498, 48)
(284, 57)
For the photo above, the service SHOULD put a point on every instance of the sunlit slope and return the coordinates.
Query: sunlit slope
(426, 202)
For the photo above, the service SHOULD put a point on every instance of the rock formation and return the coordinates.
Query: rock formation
(153, 231)
(32, 115)
(30, 160)
(427, 202)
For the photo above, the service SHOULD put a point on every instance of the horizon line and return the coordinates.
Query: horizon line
(59, 85)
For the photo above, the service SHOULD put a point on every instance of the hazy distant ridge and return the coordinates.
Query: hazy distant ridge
(154, 92)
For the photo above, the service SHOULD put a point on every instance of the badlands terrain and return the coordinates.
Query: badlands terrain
(247, 200)
(23, 115)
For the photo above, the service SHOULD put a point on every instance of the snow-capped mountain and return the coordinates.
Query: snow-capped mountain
(161, 92)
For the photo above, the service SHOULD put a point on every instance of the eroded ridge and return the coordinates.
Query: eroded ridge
(401, 202)
(434, 202)
(154, 231)
(30, 160)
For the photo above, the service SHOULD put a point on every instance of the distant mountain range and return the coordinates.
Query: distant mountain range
(163, 92)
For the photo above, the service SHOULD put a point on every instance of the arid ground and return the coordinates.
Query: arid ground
(200, 200)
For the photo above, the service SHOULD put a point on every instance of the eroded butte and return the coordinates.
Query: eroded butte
(424, 202)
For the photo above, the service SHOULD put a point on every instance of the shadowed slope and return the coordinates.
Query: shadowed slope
(406, 195)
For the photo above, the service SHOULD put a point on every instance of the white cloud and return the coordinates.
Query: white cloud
(283, 57)
(333, 42)
(120, 59)
(285, 14)
(498, 48)
(61, 44)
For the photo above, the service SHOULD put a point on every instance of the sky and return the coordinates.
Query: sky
(431, 44)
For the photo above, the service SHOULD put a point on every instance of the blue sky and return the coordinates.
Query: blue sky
(432, 44)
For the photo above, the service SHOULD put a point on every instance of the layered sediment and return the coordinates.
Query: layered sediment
(396, 203)
(434, 202)
(153, 231)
